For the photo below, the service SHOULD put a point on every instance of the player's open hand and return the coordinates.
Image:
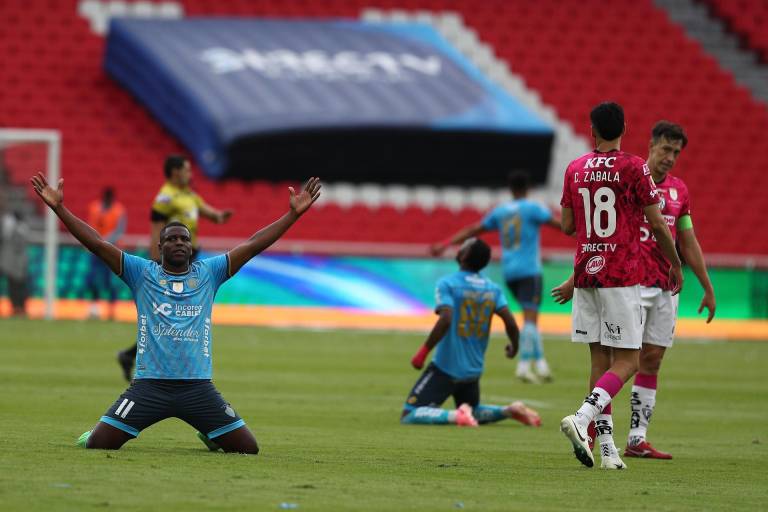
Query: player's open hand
(676, 279)
(301, 202)
(708, 302)
(564, 292)
(53, 198)
(225, 215)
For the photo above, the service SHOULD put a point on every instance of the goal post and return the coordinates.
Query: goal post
(17, 162)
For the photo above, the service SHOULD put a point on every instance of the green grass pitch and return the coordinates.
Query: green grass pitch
(325, 408)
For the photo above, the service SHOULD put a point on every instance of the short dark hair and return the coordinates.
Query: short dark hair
(173, 224)
(478, 254)
(518, 179)
(670, 131)
(173, 162)
(608, 120)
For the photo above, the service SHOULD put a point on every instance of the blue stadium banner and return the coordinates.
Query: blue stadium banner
(217, 82)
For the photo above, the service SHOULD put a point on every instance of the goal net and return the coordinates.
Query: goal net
(24, 152)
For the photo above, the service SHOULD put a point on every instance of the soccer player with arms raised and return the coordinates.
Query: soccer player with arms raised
(660, 305)
(605, 195)
(174, 301)
(466, 301)
(175, 201)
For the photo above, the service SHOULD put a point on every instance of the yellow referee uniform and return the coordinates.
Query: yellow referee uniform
(177, 204)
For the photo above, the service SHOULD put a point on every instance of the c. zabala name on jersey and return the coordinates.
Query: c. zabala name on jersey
(599, 247)
(589, 176)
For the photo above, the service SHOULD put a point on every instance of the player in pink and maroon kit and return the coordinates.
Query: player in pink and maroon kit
(659, 304)
(605, 194)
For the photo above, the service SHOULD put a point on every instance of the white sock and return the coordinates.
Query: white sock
(523, 367)
(642, 402)
(593, 405)
(542, 368)
(604, 429)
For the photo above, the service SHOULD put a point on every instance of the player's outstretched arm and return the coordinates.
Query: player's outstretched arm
(299, 203)
(437, 333)
(555, 222)
(464, 233)
(214, 214)
(667, 245)
(154, 239)
(84, 233)
(691, 250)
(513, 333)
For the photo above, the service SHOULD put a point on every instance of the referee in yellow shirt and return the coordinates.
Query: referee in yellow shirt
(176, 201)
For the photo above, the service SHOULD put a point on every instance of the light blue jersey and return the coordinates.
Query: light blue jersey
(474, 299)
(518, 222)
(174, 316)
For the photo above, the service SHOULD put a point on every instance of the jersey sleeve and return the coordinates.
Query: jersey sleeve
(491, 220)
(218, 268)
(132, 269)
(443, 297)
(163, 203)
(645, 190)
(541, 214)
(685, 209)
(199, 200)
(501, 299)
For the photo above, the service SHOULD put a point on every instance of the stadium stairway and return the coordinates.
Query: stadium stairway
(716, 38)
(53, 78)
(747, 18)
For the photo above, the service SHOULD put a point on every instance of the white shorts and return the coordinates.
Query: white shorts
(659, 316)
(611, 316)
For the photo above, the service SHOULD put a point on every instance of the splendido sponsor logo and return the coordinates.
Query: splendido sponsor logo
(176, 332)
(318, 64)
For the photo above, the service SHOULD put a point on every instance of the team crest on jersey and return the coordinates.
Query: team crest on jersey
(177, 286)
(163, 282)
(673, 193)
(192, 283)
(595, 264)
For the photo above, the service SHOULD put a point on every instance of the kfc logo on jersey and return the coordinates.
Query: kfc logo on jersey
(595, 264)
(600, 162)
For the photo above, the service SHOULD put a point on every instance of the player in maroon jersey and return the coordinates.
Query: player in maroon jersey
(605, 195)
(659, 305)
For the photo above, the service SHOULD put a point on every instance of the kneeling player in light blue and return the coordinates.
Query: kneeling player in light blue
(466, 301)
(174, 300)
